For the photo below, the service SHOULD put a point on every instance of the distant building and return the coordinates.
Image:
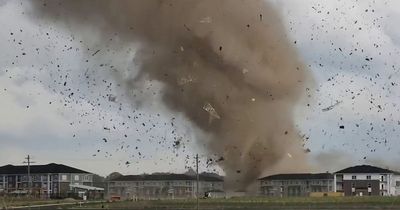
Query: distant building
(162, 186)
(51, 180)
(286, 185)
(366, 180)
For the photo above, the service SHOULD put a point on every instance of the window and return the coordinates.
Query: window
(353, 177)
(397, 183)
(76, 178)
(369, 177)
(86, 178)
(63, 177)
(35, 178)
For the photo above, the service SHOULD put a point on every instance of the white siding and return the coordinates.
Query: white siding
(361, 176)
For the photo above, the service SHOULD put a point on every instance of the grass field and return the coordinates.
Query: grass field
(258, 203)
(254, 203)
(7, 202)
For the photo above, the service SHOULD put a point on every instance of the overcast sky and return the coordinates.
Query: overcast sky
(352, 117)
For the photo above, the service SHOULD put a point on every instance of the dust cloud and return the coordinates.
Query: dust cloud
(227, 65)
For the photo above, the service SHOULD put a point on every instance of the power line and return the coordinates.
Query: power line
(28, 161)
(197, 180)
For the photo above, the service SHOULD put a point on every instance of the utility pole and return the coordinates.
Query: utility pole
(28, 161)
(197, 180)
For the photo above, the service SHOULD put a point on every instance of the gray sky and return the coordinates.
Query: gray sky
(352, 48)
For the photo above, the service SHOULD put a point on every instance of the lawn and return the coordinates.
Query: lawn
(260, 203)
(6, 202)
(254, 203)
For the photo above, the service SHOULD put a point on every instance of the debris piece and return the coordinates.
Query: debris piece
(206, 20)
(185, 80)
(331, 106)
(177, 143)
(210, 109)
(112, 98)
(95, 52)
(220, 159)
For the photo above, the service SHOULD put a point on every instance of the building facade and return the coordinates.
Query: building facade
(51, 180)
(162, 186)
(287, 185)
(366, 180)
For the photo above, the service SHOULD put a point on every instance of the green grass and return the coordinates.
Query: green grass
(23, 201)
(254, 202)
(232, 203)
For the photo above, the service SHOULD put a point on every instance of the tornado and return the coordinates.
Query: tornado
(227, 65)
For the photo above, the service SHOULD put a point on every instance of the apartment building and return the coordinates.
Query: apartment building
(299, 184)
(163, 186)
(51, 180)
(366, 180)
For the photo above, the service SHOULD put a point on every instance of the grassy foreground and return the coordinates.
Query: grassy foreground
(7, 202)
(258, 203)
(254, 203)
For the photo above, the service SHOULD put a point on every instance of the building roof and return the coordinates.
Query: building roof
(166, 177)
(41, 169)
(365, 169)
(302, 176)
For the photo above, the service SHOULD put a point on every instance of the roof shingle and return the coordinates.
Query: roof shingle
(365, 169)
(166, 177)
(299, 176)
(40, 169)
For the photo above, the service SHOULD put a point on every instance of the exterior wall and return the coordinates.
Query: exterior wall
(374, 184)
(151, 189)
(43, 185)
(361, 187)
(160, 189)
(205, 186)
(76, 178)
(289, 188)
(395, 187)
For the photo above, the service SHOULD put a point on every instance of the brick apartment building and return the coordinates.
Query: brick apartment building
(51, 180)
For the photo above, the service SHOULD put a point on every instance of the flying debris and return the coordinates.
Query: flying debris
(112, 98)
(331, 106)
(206, 20)
(95, 52)
(185, 80)
(211, 111)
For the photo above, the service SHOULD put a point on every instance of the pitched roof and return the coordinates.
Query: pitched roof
(365, 169)
(166, 177)
(302, 176)
(40, 169)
